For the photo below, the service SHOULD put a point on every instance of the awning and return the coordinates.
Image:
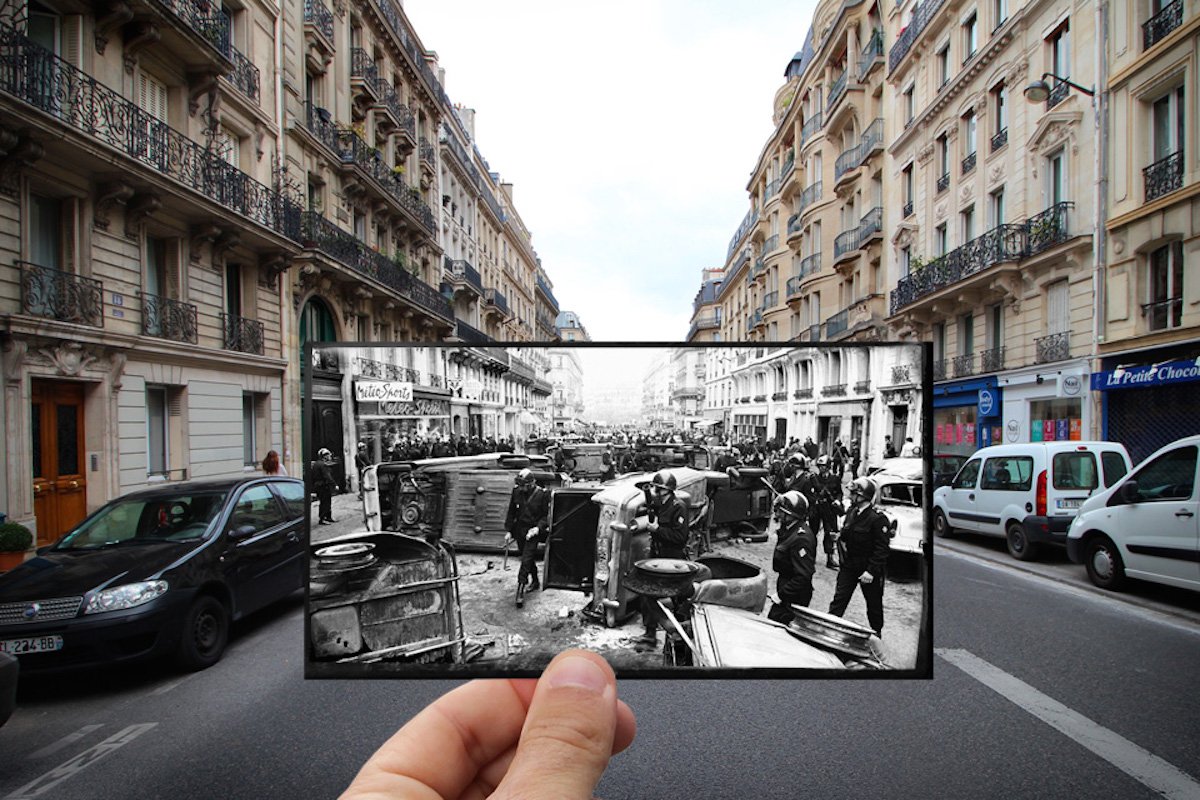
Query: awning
(707, 423)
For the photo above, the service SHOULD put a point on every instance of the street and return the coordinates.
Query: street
(1041, 688)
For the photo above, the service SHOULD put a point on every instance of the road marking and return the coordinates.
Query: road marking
(166, 687)
(1137, 762)
(80, 762)
(70, 738)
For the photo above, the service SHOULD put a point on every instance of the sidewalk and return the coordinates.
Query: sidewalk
(348, 516)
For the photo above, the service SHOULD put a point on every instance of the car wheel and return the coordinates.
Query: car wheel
(941, 526)
(205, 634)
(1019, 546)
(1103, 563)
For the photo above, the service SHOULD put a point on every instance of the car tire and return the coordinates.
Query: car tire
(1103, 563)
(204, 635)
(941, 526)
(1019, 546)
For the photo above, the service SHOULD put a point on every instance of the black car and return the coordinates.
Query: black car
(162, 571)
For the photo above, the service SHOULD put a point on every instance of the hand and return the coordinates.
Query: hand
(532, 533)
(866, 577)
(549, 738)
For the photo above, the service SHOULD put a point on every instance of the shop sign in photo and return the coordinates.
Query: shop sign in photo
(382, 392)
(1148, 375)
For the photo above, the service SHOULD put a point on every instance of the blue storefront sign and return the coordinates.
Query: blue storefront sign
(987, 403)
(1142, 377)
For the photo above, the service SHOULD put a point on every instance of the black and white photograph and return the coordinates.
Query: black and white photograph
(677, 509)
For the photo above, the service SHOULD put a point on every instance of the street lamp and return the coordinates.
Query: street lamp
(1039, 90)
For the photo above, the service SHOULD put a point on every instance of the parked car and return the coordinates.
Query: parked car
(10, 669)
(1146, 526)
(1027, 493)
(901, 500)
(945, 467)
(159, 571)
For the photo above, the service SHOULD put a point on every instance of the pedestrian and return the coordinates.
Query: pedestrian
(909, 450)
(361, 462)
(855, 458)
(795, 557)
(889, 449)
(271, 465)
(810, 448)
(667, 522)
(826, 489)
(323, 484)
(527, 522)
(865, 542)
(839, 458)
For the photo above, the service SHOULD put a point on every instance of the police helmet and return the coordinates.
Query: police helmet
(863, 487)
(663, 482)
(792, 504)
(525, 477)
(323, 452)
(823, 461)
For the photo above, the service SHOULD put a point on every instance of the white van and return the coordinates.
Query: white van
(1147, 526)
(1027, 493)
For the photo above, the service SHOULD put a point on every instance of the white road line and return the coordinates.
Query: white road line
(80, 762)
(1137, 762)
(166, 687)
(70, 738)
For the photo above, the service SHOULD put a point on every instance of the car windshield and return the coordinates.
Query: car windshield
(901, 494)
(172, 518)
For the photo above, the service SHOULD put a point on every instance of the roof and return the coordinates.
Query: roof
(216, 484)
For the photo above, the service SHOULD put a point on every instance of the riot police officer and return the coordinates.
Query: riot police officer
(865, 539)
(528, 522)
(667, 522)
(795, 557)
(826, 489)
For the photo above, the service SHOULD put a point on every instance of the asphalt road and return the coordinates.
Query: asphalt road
(1041, 689)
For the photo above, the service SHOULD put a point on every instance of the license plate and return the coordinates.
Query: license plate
(33, 644)
(1070, 503)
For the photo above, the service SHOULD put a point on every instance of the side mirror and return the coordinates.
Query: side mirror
(621, 527)
(1129, 492)
(241, 533)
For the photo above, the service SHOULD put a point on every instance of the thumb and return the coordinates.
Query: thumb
(568, 735)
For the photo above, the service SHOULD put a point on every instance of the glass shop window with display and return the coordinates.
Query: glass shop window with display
(1056, 420)
(954, 431)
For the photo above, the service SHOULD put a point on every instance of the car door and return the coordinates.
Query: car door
(257, 548)
(961, 498)
(1160, 530)
(571, 545)
(292, 495)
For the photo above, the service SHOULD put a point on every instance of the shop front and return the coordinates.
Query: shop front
(1148, 399)
(966, 416)
(385, 411)
(1047, 404)
(840, 421)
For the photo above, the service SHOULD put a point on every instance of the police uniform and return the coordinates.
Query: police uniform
(527, 511)
(795, 560)
(671, 538)
(866, 539)
(826, 490)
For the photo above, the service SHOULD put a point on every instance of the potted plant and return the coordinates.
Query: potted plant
(15, 541)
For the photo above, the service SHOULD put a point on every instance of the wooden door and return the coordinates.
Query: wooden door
(59, 474)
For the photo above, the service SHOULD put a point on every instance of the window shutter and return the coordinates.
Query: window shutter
(1058, 318)
(72, 40)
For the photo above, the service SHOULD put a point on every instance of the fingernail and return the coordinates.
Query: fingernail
(579, 673)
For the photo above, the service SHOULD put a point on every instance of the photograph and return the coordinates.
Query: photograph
(680, 510)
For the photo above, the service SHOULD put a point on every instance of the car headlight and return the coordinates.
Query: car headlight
(130, 595)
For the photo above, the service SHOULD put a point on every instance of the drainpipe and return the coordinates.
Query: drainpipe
(1100, 237)
(286, 320)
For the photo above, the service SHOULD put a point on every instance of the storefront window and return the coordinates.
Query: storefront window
(954, 430)
(1056, 420)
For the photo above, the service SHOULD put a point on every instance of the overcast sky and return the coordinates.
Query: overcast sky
(628, 129)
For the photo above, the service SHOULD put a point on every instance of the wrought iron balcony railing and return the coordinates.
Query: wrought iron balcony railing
(793, 225)
(789, 164)
(968, 163)
(544, 288)
(811, 334)
(872, 52)
(811, 126)
(870, 225)
(810, 195)
(846, 242)
(1163, 314)
(847, 160)
(470, 334)
(773, 188)
(999, 139)
(212, 27)
(1058, 93)
(168, 319)
(461, 269)
(810, 265)
(922, 16)
(323, 235)
(743, 230)
(862, 387)
(320, 17)
(364, 71)
(836, 90)
(1055, 347)
(964, 365)
(496, 298)
(242, 335)
(901, 374)
(1155, 29)
(943, 182)
(771, 244)
(793, 287)
(834, 390)
(992, 360)
(53, 294)
(803, 394)
(45, 81)
(908, 209)
(1009, 242)
(770, 300)
(320, 124)
(837, 324)
(245, 76)
(940, 368)
(428, 153)
(1163, 176)
(760, 266)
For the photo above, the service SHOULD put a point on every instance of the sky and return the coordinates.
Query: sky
(628, 129)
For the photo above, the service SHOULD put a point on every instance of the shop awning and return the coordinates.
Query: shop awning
(706, 423)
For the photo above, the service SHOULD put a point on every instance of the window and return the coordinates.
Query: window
(969, 37)
(966, 477)
(256, 507)
(229, 145)
(907, 180)
(968, 223)
(1168, 115)
(969, 126)
(46, 231)
(941, 240)
(1000, 9)
(966, 334)
(910, 108)
(152, 98)
(360, 226)
(157, 438)
(996, 202)
(1008, 474)
(905, 261)
(1057, 176)
(943, 143)
(939, 341)
(1060, 50)
(1058, 318)
(1074, 470)
(943, 60)
(1114, 467)
(1171, 476)
(233, 290)
(999, 110)
(1164, 306)
(249, 430)
(996, 326)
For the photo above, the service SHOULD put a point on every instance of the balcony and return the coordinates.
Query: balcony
(811, 334)
(1058, 93)
(53, 294)
(845, 244)
(771, 244)
(871, 55)
(870, 226)
(810, 265)
(758, 270)
(168, 319)
(778, 396)
(811, 127)
(770, 300)
(810, 195)
(77, 100)
(869, 143)
(1163, 176)
(1055, 347)
(1163, 315)
(320, 125)
(245, 76)
(772, 188)
(943, 182)
(495, 299)
(747, 224)
(461, 272)
(838, 324)
(789, 164)
(907, 210)
(901, 374)
(1158, 27)
(837, 90)
(940, 369)
(365, 83)
(794, 228)
(428, 156)
(803, 394)
(242, 335)
(322, 235)
(992, 360)
(922, 16)
(760, 398)
(544, 288)
(999, 139)
(834, 390)
(964, 365)
(968, 163)
(862, 387)
(194, 32)
(1004, 243)
(318, 22)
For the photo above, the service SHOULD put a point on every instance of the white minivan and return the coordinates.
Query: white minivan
(1147, 526)
(1028, 493)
